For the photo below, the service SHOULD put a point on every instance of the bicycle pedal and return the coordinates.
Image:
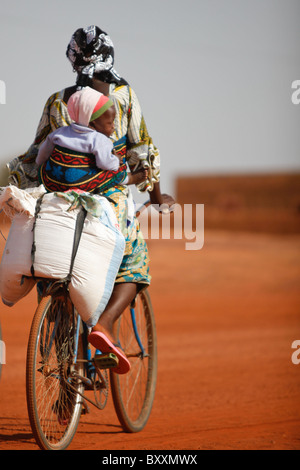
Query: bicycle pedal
(106, 361)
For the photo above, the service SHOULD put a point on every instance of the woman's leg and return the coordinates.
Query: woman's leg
(122, 295)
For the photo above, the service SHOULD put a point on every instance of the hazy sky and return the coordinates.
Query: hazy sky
(213, 76)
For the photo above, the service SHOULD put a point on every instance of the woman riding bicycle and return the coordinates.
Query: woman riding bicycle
(91, 54)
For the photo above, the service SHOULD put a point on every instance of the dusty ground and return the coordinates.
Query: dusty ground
(226, 318)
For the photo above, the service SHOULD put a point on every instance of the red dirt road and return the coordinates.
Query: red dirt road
(226, 318)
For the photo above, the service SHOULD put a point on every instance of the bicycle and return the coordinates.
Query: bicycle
(61, 367)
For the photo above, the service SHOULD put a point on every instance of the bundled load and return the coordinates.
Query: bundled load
(40, 244)
(19, 206)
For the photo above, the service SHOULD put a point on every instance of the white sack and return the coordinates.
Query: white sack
(16, 261)
(98, 258)
(15, 201)
(96, 265)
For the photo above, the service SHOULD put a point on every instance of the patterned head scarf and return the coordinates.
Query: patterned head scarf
(87, 104)
(91, 52)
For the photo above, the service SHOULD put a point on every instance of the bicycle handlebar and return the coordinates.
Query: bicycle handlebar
(142, 208)
(165, 209)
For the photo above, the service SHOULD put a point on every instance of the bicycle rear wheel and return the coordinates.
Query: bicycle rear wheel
(53, 402)
(133, 393)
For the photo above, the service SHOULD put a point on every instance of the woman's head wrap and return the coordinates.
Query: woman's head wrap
(86, 105)
(91, 52)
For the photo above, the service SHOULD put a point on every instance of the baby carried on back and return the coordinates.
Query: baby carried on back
(81, 156)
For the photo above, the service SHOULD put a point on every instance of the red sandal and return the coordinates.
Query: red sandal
(100, 341)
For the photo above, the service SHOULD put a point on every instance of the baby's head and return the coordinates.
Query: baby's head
(91, 108)
(104, 122)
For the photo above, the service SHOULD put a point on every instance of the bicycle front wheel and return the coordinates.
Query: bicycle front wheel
(53, 398)
(133, 393)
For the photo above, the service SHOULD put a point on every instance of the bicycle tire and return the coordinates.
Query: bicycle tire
(133, 393)
(54, 410)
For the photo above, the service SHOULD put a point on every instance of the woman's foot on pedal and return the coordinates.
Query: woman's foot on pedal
(101, 341)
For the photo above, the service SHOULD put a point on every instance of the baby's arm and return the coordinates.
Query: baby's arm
(104, 156)
(133, 178)
(45, 150)
(139, 177)
(107, 159)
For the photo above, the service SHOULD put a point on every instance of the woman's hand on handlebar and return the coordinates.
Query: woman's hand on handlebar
(162, 202)
(161, 199)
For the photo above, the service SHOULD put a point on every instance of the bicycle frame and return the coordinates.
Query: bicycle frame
(91, 368)
(136, 333)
